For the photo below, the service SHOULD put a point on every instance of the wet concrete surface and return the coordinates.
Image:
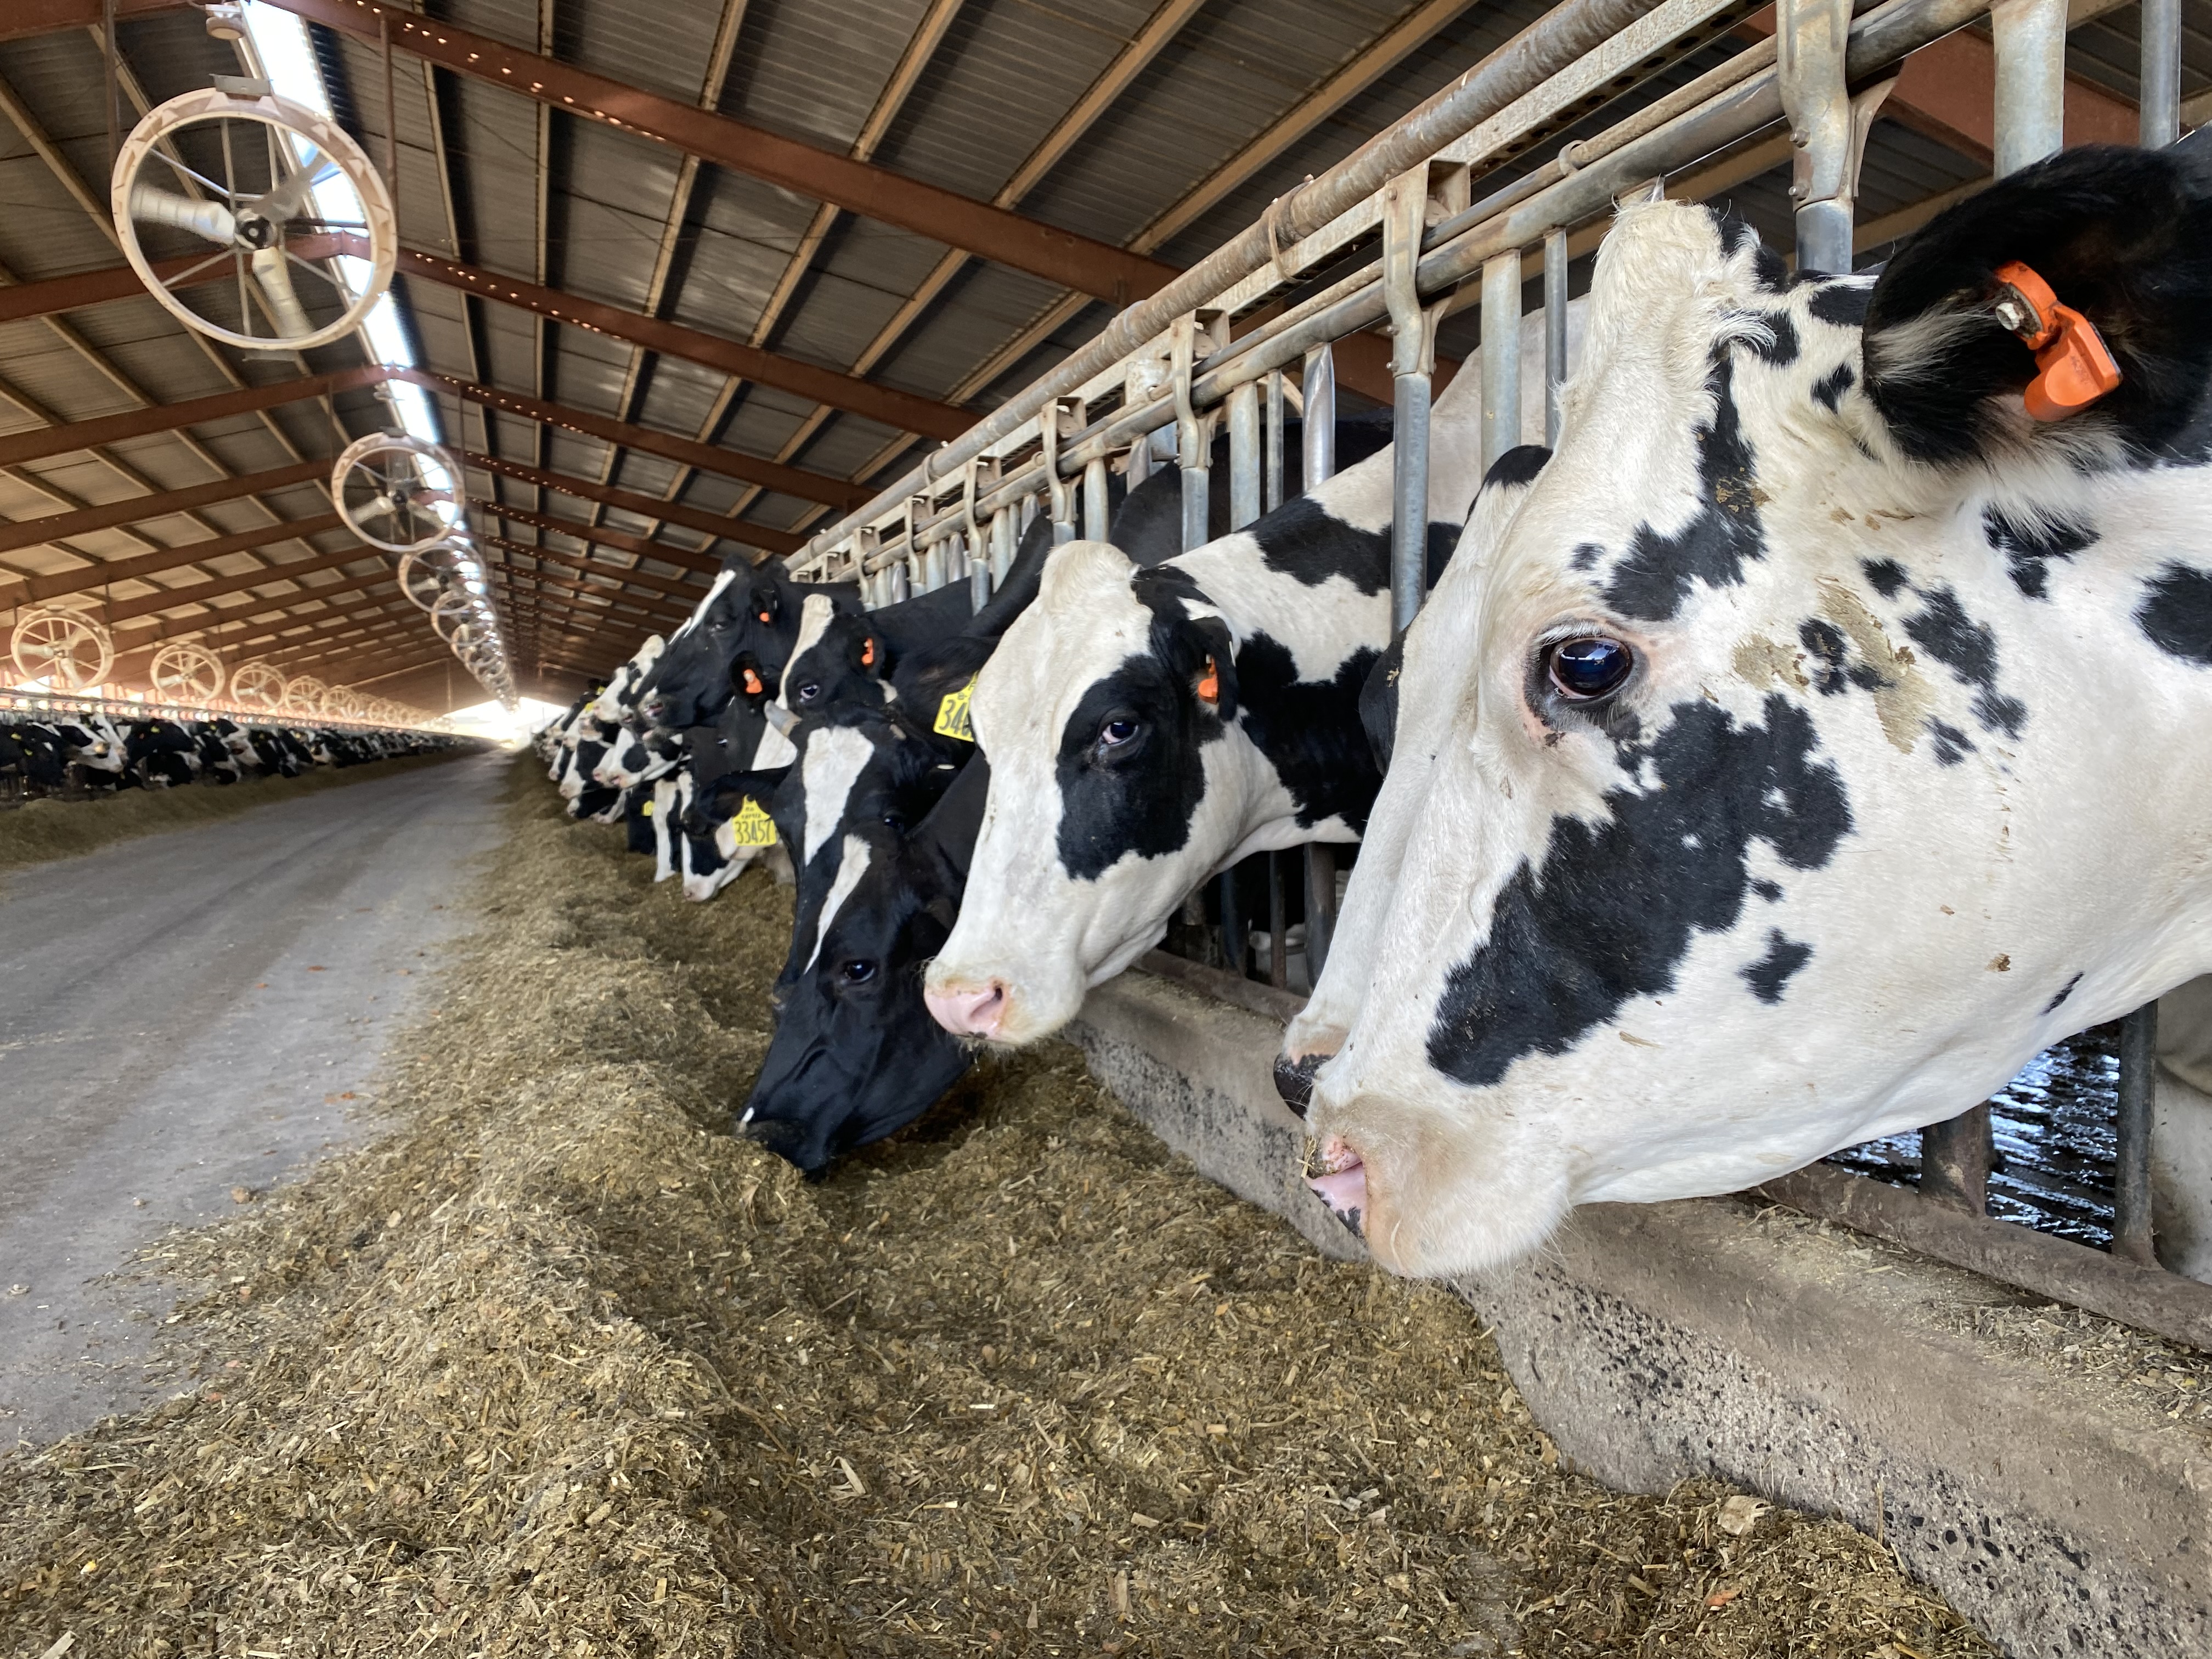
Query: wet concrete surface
(185, 1018)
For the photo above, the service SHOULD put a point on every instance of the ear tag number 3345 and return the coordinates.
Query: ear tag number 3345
(752, 827)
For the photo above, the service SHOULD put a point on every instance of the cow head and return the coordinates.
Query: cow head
(747, 613)
(1118, 781)
(856, 1053)
(1816, 738)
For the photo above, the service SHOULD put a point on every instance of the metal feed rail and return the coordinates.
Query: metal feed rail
(1170, 368)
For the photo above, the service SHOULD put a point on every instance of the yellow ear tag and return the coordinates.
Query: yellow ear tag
(647, 811)
(952, 714)
(753, 827)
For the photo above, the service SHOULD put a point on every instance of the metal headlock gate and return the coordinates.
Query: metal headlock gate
(1400, 214)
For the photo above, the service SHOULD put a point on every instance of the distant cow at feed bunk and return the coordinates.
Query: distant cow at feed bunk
(1147, 728)
(1816, 738)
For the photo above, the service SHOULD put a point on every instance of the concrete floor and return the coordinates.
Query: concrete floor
(190, 1013)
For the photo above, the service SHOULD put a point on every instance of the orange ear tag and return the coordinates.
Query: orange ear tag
(2076, 366)
(764, 617)
(868, 653)
(753, 686)
(1209, 683)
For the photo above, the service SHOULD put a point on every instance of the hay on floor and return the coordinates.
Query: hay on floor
(558, 1367)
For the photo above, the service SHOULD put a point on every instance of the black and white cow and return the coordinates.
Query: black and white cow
(748, 613)
(1147, 727)
(1814, 738)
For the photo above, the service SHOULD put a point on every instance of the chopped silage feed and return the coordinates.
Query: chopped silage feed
(557, 1366)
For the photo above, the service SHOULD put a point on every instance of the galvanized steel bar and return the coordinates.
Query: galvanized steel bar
(1811, 43)
(1275, 415)
(1317, 418)
(1246, 465)
(1405, 209)
(2131, 1206)
(1501, 356)
(1095, 519)
(2030, 36)
(2160, 101)
(1555, 331)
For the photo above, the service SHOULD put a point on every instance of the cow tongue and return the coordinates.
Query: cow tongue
(1336, 1176)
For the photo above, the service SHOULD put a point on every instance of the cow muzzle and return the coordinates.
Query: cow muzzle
(966, 1011)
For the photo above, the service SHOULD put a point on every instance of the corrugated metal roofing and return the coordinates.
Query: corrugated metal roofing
(498, 181)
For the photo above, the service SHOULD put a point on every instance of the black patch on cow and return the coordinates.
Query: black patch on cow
(1517, 465)
(1440, 543)
(1769, 890)
(2176, 613)
(1841, 305)
(1950, 744)
(1310, 730)
(1141, 797)
(2065, 992)
(1771, 973)
(1833, 671)
(1969, 650)
(1828, 391)
(1652, 578)
(1587, 555)
(1302, 540)
(1611, 912)
(2123, 235)
(1779, 344)
(1767, 267)
(1886, 576)
(2030, 544)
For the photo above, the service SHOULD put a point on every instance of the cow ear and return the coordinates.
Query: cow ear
(2122, 239)
(1201, 653)
(766, 603)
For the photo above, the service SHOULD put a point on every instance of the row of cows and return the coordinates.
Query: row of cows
(93, 753)
(1810, 738)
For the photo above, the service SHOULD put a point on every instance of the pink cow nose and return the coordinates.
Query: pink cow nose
(968, 1013)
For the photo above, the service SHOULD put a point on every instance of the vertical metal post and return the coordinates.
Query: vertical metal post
(2131, 1232)
(1194, 432)
(1955, 1162)
(1271, 497)
(1412, 360)
(1501, 356)
(1321, 907)
(1318, 419)
(2030, 37)
(1278, 948)
(901, 585)
(1246, 463)
(1060, 416)
(1236, 929)
(1810, 51)
(2160, 108)
(1317, 464)
(1096, 521)
(1555, 331)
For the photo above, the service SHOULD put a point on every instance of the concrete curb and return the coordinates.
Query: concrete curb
(1655, 1342)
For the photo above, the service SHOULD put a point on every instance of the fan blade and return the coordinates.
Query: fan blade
(160, 207)
(276, 279)
(285, 201)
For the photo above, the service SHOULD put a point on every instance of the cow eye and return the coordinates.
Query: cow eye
(808, 692)
(857, 973)
(1589, 667)
(1115, 732)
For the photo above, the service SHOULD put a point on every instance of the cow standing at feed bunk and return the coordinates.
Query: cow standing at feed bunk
(1147, 727)
(1819, 735)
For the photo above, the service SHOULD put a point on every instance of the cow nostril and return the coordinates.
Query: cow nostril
(1294, 1079)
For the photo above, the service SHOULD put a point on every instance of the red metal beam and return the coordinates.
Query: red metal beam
(1004, 238)
(88, 577)
(708, 457)
(605, 535)
(904, 411)
(659, 586)
(901, 410)
(41, 443)
(649, 506)
(143, 510)
(200, 593)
